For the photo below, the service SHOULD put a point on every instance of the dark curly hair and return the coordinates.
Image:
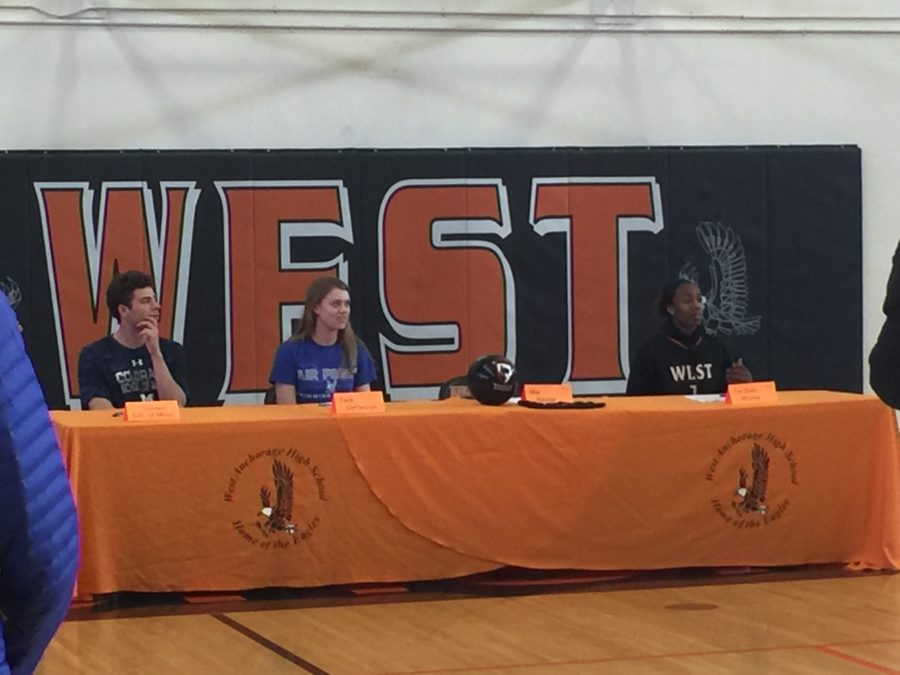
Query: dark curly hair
(668, 295)
(122, 287)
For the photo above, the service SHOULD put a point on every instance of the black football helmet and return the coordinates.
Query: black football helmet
(492, 379)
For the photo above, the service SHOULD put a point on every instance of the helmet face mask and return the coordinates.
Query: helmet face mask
(492, 379)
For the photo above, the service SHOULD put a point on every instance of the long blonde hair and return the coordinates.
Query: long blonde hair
(315, 294)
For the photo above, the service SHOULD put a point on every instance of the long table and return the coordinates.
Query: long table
(254, 496)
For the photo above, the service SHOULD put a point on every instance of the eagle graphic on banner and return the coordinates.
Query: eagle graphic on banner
(278, 516)
(727, 298)
(753, 497)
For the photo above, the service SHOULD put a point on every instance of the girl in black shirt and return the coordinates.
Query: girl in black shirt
(683, 358)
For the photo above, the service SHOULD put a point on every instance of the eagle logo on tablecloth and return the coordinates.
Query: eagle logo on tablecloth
(278, 515)
(727, 297)
(752, 498)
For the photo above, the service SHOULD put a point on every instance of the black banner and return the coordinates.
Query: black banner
(554, 257)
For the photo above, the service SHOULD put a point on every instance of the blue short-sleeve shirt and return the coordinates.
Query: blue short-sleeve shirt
(318, 371)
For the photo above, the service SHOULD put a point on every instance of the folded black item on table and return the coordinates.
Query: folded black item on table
(563, 405)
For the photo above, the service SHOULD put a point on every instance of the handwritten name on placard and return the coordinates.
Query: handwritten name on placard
(752, 393)
(152, 411)
(357, 403)
(547, 393)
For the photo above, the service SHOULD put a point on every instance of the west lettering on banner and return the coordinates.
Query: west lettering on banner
(127, 235)
(435, 235)
(595, 215)
(264, 287)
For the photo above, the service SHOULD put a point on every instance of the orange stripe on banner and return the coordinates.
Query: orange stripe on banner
(825, 649)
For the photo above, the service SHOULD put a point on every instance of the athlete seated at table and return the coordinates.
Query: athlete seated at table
(884, 361)
(323, 356)
(134, 363)
(683, 358)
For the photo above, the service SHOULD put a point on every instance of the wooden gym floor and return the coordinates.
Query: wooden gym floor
(817, 619)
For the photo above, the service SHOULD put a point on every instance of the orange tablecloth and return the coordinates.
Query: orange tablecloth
(442, 489)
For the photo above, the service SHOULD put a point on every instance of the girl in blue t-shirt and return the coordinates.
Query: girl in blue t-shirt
(324, 355)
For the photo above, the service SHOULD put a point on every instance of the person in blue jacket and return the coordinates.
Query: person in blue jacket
(38, 528)
(324, 355)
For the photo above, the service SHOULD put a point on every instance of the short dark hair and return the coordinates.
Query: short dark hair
(668, 295)
(122, 287)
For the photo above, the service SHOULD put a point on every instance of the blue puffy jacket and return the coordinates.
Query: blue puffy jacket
(38, 528)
